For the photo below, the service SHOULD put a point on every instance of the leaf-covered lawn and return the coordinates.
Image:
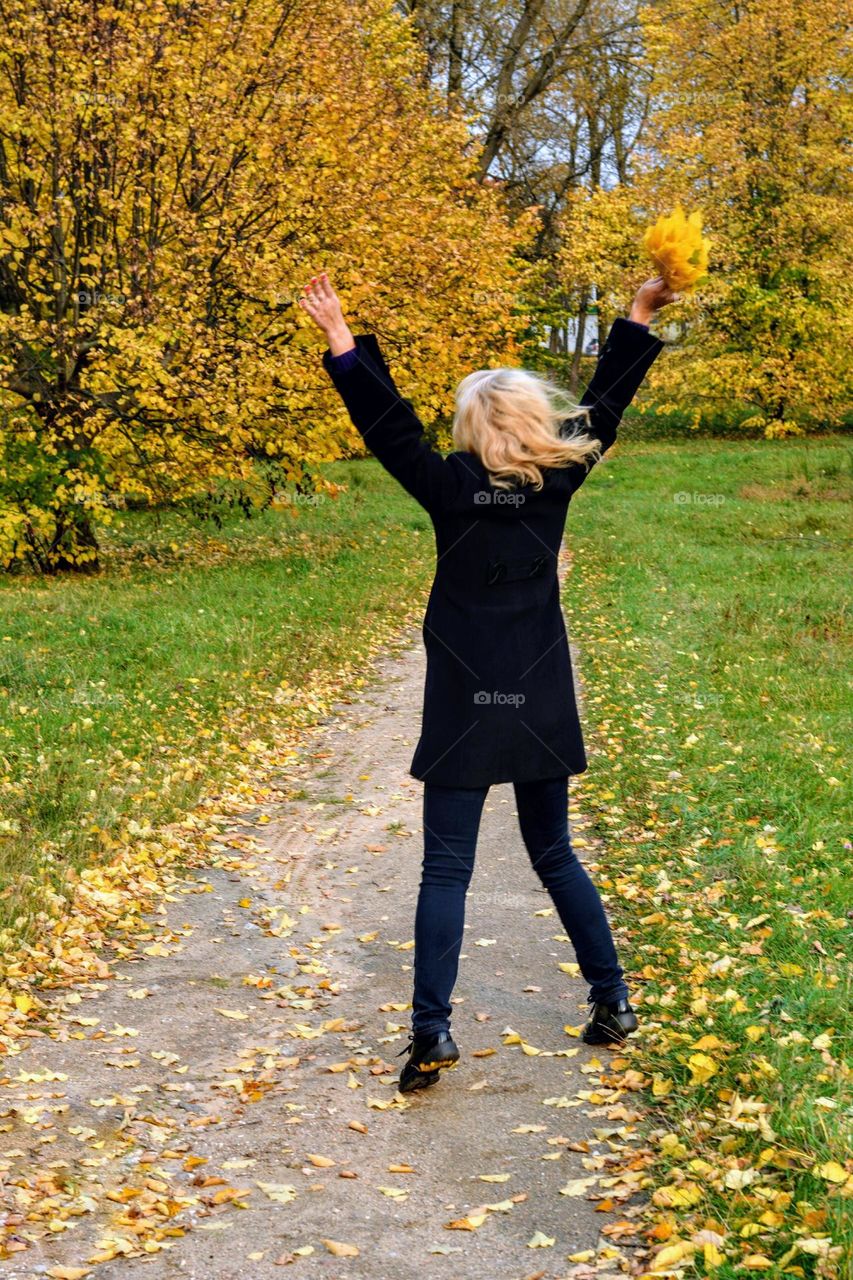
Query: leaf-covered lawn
(709, 597)
(123, 698)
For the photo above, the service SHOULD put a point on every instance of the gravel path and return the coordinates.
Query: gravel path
(239, 1086)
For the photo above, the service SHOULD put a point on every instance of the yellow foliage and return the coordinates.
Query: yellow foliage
(763, 340)
(768, 334)
(678, 249)
(151, 346)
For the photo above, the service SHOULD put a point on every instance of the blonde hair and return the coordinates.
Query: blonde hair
(511, 419)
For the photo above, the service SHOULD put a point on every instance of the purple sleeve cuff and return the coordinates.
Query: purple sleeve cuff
(344, 361)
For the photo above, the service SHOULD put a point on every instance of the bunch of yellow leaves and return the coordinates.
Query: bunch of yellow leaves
(678, 248)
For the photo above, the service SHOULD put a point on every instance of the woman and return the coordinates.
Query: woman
(499, 703)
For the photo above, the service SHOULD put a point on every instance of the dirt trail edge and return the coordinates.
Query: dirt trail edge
(200, 1123)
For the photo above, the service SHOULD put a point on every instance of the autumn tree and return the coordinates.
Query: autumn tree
(556, 96)
(513, 68)
(169, 175)
(768, 99)
(749, 124)
(600, 260)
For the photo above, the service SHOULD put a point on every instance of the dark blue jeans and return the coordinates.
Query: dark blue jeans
(451, 825)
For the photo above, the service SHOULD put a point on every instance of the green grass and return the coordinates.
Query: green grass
(714, 638)
(709, 597)
(123, 696)
(105, 683)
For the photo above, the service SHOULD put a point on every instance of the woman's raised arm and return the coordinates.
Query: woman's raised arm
(386, 421)
(626, 357)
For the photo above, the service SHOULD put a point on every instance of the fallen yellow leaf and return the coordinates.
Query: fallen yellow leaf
(712, 1256)
(578, 1186)
(832, 1171)
(280, 1192)
(672, 1255)
(540, 1241)
(701, 1067)
(341, 1250)
(469, 1223)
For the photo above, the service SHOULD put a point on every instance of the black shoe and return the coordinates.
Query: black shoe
(428, 1055)
(610, 1023)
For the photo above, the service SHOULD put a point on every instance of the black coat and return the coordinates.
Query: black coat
(499, 700)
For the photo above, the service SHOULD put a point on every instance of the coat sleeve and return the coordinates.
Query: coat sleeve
(390, 427)
(625, 359)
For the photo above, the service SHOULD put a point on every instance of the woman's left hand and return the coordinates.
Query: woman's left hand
(650, 297)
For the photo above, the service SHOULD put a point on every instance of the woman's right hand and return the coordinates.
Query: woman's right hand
(324, 307)
(650, 297)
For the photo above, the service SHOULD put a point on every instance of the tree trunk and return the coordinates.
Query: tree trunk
(455, 50)
(75, 531)
(574, 376)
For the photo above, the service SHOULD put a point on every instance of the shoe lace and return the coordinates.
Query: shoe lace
(407, 1048)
